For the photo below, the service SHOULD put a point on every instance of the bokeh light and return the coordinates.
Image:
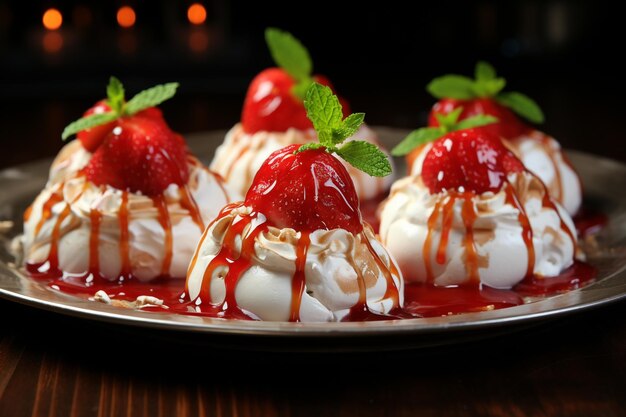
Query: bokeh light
(196, 13)
(52, 19)
(126, 16)
(52, 42)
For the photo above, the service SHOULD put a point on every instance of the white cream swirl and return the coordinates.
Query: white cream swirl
(146, 234)
(502, 254)
(71, 158)
(543, 156)
(241, 155)
(337, 264)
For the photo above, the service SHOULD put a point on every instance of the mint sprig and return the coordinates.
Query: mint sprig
(325, 112)
(120, 107)
(292, 56)
(485, 84)
(447, 123)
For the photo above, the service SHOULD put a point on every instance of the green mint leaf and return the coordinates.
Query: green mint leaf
(522, 105)
(308, 146)
(489, 88)
(416, 138)
(484, 71)
(449, 119)
(299, 89)
(289, 53)
(452, 86)
(88, 122)
(324, 111)
(474, 121)
(349, 126)
(115, 94)
(150, 98)
(366, 157)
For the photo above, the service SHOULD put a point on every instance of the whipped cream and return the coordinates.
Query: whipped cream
(337, 268)
(502, 254)
(147, 250)
(241, 155)
(543, 156)
(71, 158)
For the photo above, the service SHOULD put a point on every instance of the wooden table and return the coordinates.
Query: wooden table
(52, 365)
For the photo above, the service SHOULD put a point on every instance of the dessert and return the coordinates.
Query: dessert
(296, 249)
(126, 200)
(474, 215)
(274, 116)
(540, 153)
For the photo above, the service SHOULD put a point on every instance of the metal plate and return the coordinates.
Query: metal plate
(604, 181)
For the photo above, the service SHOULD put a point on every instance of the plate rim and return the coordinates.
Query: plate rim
(89, 310)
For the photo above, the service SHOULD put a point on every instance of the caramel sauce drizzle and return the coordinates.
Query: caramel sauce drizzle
(544, 140)
(242, 152)
(166, 223)
(236, 263)
(446, 225)
(432, 222)
(53, 255)
(547, 202)
(46, 210)
(298, 282)
(189, 203)
(392, 289)
(527, 232)
(471, 258)
(124, 238)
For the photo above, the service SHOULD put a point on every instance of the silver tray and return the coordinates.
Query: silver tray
(604, 181)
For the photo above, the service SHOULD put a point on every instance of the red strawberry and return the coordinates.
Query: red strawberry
(509, 126)
(271, 106)
(307, 191)
(93, 137)
(472, 159)
(141, 154)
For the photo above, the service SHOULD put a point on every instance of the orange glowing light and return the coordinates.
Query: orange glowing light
(198, 41)
(126, 16)
(196, 13)
(52, 19)
(52, 42)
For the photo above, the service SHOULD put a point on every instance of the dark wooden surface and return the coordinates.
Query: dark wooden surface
(51, 365)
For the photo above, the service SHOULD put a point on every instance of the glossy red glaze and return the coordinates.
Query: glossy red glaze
(307, 191)
(470, 159)
(426, 300)
(509, 126)
(589, 221)
(271, 106)
(576, 276)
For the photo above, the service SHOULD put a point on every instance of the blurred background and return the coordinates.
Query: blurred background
(57, 56)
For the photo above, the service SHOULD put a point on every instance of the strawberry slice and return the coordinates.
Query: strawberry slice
(92, 138)
(470, 159)
(271, 106)
(140, 154)
(509, 126)
(306, 191)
